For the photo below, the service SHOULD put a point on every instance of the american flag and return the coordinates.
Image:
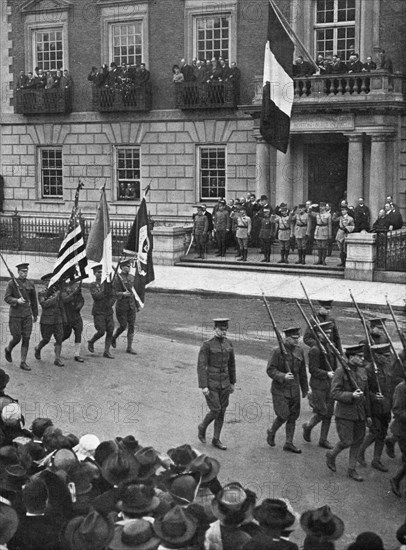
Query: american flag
(71, 261)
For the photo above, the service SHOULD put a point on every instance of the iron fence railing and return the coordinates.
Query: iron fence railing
(30, 101)
(128, 98)
(391, 250)
(211, 95)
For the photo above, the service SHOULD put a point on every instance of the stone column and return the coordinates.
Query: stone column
(355, 170)
(262, 168)
(377, 180)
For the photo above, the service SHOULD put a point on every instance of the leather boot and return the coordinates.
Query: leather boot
(268, 257)
(325, 427)
(300, 256)
(323, 257)
(58, 349)
(282, 260)
(395, 480)
(303, 256)
(308, 426)
(342, 261)
(270, 436)
(290, 432)
(244, 255)
(378, 450)
(320, 256)
(286, 256)
(390, 446)
(332, 455)
(368, 440)
(130, 338)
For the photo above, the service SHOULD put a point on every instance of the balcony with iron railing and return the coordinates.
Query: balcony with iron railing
(42, 101)
(129, 98)
(206, 95)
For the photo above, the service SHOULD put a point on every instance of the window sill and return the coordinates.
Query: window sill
(50, 201)
(124, 202)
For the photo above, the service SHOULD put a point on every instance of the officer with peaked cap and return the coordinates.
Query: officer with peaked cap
(22, 299)
(216, 377)
(126, 305)
(103, 300)
(288, 379)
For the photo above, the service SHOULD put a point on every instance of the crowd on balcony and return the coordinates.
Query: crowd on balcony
(38, 79)
(119, 77)
(333, 64)
(206, 71)
(62, 491)
(250, 222)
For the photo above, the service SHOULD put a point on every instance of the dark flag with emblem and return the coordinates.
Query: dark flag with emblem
(277, 96)
(139, 246)
(71, 261)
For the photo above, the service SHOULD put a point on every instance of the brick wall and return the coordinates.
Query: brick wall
(393, 32)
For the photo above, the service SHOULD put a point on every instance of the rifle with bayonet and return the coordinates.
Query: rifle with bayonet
(278, 335)
(400, 333)
(316, 338)
(13, 278)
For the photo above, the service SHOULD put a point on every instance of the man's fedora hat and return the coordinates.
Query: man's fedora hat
(322, 523)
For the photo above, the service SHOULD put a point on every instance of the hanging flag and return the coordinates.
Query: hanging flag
(99, 243)
(139, 245)
(71, 261)
(278, 83)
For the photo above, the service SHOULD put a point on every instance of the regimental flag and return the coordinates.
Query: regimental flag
(99, 243)
(278, 82)
(71, 261)
(139, 245)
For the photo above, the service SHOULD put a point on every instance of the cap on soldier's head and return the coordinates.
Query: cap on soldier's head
(327, 325)
(325, 303)
(97, 268)
(125, 263)
(354, 350)
(222, 201)
(292, 331)
(47, 277)
(283, 205)
(301, 205)
(376, 321)
(221, 322)
(322, 204)
(381, 348)
(264, 198)
(199, 207)
(19, 267)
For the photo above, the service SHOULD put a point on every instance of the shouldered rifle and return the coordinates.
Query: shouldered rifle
(316, 337)
(341, 359)
(13, 278)
(368, 342)
(278, 335)
(309, 301)
(395, 353)
(401, 335)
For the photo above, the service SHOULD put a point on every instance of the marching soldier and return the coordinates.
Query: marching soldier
(283, 227)
(102, 311)
(73, 301)
(323, 232)
(126, 305)
(381, 404)
(22, 299)
(300, 219)
(398, 429)
(322, 402)
(349, 389)
(52, 319)
(323, 316)
(288, 378)
(217, 377)
(377, 333)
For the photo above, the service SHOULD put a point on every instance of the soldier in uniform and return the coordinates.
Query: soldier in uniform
(243, 233)
(381, 403)
(53, 318)
(200, 229)
(323, 316)
(283, 227)
(73, 302)
(323, 232)
(300, 220)
(288, 378)
(346, 225)
(22, 299)
(352, 410)
(398, 429)
(102, 311)
(217, 377)
(126, 305)
(322, 402)
(377, 333)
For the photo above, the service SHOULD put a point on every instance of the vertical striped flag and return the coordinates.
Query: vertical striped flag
(278, 82)
(71, 261)
(99, 243)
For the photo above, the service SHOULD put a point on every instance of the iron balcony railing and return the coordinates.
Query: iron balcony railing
(128, 98)
(206, 95)
(391, 250)
(30, 101)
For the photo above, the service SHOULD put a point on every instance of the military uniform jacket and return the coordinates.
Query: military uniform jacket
(346, 406)
(276, 369)
(103, 298)
(345, 225)
(53, 311)
(300, 221)
(27, 289)
(398, 426)
(216, 364)
(284, 227)
(73, 302)
(124, 303)
(335, 337)
(381, 407)
(323, 229)
(319, 378)
(201, 225)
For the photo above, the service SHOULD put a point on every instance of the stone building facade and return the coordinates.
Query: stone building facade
(345, 140)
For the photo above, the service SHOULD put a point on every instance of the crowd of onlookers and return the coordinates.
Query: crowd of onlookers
(38, 79)
(59, 491)
(205, 71)
(119, 76)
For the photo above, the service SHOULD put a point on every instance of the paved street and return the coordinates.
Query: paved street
(155, 397)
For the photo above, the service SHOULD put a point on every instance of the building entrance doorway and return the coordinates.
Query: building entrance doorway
(327, 172)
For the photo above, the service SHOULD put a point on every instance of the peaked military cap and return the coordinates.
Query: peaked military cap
(221, 322)
(97, 268)
(381, 348)
(325, 303)
(292, 331)
(354, 350)
(22, 266)
(376, 321)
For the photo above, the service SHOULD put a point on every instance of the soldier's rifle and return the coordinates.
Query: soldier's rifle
(400, 333)
(309, 301)
(395, 353)
(368, 342)
(316, 337)
(278, 335)
(13, 278)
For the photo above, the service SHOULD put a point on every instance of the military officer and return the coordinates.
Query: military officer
(283, 227)
(300, 220)
(217, 377)
(288, 378)
(346, 226)
(22, 299)
(321, 370)
(126, 305)
(73, 302)
(53, 318)
(349, 389)
(102, 311)
(323, 232)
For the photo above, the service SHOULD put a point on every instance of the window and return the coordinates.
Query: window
(51, 173)
(128, 174)
(335, 27)
(48, 49)
(212, 172)
(126, 43)
(212, 37)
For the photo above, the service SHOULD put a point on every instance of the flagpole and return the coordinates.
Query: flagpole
(286, 25)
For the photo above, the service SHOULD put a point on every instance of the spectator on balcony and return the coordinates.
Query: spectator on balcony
(30, 83)
(328, 64)
(66, 80)
(101, 76)
(354, 64)
(49, 80)
(92, 75)
(40, 79)
(22, 80)
(225, 69)
(302, 68)
(369, 65)
(177, 75)
(216, 72)
(338, 66)
(393, 218)
(142, 75)
(234, 73)
(385, 62)
(194, 63)
(394, 207)
(187, 70)
(362, 216)
(200, 72)
(320, 63)
(380, 223)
